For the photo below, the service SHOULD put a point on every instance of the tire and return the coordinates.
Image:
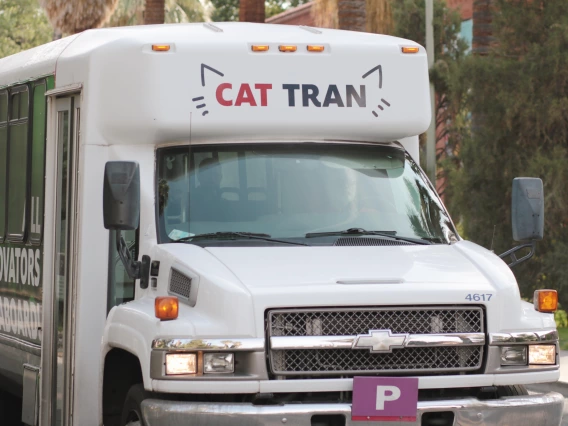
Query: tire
(512, 390)
(131, 411)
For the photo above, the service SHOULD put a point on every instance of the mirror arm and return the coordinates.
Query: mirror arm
(131, 266)
(511, 253)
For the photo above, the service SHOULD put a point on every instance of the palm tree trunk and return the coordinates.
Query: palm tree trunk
(71, 17)
(251, 11)
(379, 16)
(155, 12)
(351, 15)
(482, 31)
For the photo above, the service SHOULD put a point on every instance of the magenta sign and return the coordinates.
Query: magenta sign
(385, 398)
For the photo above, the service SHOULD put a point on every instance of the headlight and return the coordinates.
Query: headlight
(181, 364)
(218, 363)
(514, 355)
(542, 354)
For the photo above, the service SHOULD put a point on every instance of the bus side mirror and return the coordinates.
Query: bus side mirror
(527, 209)
(527, 214)
(121, 195)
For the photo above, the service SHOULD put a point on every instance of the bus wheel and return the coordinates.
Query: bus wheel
(131, 411)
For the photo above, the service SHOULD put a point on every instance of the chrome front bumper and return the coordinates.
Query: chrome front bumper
(530, 410)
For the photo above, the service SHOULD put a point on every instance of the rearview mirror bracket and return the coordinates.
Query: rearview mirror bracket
(131, 266)
(513, 257)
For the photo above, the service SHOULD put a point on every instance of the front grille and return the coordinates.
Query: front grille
(345, 322)
(362, 361)
(353, 321)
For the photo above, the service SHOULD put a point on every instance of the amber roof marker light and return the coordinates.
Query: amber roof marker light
(260, 48)
(315, 48)
(287, 48)
(161, 47)
(410, 49)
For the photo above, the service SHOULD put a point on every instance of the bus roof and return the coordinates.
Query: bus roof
(210, 83)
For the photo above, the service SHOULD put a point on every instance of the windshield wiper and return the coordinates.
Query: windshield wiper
(234, 236)
(360, 231)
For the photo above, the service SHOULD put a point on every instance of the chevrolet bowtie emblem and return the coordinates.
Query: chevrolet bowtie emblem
(380, 341)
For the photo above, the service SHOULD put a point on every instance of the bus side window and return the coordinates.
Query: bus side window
(120, 286)
(17, 162)
(35, 221)
(3, 160)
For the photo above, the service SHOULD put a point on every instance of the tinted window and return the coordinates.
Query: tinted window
(3, 161)
(38, 163)
(17, 166)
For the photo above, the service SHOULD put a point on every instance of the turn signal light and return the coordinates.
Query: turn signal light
(410, 49)
(160, 47)
(166, 308)
(545, 300)
(312, 48)
(260, 48)
(287, 48)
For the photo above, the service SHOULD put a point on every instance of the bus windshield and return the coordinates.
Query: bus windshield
(291, 190)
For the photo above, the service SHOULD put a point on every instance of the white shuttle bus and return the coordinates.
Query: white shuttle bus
(226, 224)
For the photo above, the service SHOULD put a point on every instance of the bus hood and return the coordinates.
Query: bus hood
(261, 268)
(237, 285)
(457, 274)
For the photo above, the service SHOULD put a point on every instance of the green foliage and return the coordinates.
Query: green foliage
(225, 10)
(449, 52)
(131, 12)
(563, 336)
(561, 318)
(23, 25)
(518, 98)
(178, 11)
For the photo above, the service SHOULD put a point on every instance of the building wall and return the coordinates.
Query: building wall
(464, 6)
(301, 15)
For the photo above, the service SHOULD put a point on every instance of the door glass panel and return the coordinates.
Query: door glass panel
(61, 270)
(121, 286)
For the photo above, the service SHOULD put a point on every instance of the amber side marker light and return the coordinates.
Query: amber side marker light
(166, 308)
(286, 48)
(315, 48)
(410, 49)
(260, 48)
(545, 300)
(160, 47)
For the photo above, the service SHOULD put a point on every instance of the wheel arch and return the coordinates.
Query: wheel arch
(122, 369)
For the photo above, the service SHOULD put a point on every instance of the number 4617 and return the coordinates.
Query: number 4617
(477, 297)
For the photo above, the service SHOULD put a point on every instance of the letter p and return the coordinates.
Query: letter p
(386, 393)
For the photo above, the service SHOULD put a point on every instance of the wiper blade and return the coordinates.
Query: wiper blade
(359, 231)
(234, 236)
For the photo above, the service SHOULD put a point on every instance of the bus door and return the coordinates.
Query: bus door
(59, 327)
